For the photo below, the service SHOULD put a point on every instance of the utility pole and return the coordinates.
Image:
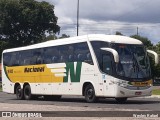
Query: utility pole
(77, 17)
(137, 31)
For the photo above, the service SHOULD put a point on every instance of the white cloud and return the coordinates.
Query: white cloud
(109, 16)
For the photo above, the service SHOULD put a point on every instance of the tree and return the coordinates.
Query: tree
(144, 40)
(156, 69)
(64, 36)
(118, 33)
(157, 48)
(3, 45)
(54, 37)
(24, 22)
(50, 37)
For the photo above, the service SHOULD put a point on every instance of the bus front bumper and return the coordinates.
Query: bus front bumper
(133, 91)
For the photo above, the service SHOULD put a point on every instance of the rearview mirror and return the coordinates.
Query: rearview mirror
(114, 52)
(155, 56)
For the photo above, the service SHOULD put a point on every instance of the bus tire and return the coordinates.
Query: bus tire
(19, 93)
(121, 100)
(89, 94)
(27, 92)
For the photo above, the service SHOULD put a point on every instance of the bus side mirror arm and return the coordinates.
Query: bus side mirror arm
(155, 56)
(114, 52)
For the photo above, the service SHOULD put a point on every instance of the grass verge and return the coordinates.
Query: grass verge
(156, 92)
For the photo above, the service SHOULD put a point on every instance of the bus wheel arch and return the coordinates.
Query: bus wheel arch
(18, 91)
(89, 92)
(27, 91)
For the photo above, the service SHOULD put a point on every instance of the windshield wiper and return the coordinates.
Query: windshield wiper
(137, 66)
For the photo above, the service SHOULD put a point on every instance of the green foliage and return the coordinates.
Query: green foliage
(156, 92)
(54, 37)
(23, 22)
(144, 40)
(50, 37)
(157, 71)
(3, 45)
(157, 48)
(64, 36)
(118, 33)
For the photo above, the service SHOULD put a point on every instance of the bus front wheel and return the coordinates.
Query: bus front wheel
(27, 92)
(19, 93)
(90, 94)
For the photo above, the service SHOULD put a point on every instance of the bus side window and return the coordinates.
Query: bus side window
(63, 53)
(14, 59)
(39, 60)
(28, 57)
(107, 64)
(70, 58)
(6, 59)
(80, 58)
(83, 53)
(70, 53)
(89, 59)
(47, 56)
(54, 59)
(47, 59)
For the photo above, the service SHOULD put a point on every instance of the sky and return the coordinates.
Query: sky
(109, 16)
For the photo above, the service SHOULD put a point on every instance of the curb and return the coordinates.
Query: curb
(155, 96)
(152, 96)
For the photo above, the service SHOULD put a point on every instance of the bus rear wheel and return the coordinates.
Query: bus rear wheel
(121, 100)
(90, 94)
(27, 92)
(19, 93)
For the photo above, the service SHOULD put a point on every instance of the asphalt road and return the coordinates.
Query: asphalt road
(144, 103)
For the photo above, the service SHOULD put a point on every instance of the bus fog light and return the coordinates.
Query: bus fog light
(123, 93)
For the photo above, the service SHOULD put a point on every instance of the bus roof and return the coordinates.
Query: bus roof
(77, 39)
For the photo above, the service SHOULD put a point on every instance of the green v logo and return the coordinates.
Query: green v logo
(74, 74)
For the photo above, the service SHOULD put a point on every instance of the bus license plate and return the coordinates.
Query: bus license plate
(138, 93)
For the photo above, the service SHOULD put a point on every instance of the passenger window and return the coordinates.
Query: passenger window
(6, 59)
(27, 57)
(14, 59)
(107, 64)
(82, 53)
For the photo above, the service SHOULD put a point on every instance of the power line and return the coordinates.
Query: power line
(129, 12)
(116, 24)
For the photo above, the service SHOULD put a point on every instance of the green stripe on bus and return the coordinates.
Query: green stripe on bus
(6, 73)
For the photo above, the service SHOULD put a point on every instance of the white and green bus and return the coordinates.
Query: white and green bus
(94, 66)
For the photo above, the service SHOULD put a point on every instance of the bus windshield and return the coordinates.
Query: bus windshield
(134, 62)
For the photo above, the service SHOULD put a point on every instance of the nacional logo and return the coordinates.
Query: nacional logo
(34, 69)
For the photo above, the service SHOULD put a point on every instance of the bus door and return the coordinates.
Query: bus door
(107, 69)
